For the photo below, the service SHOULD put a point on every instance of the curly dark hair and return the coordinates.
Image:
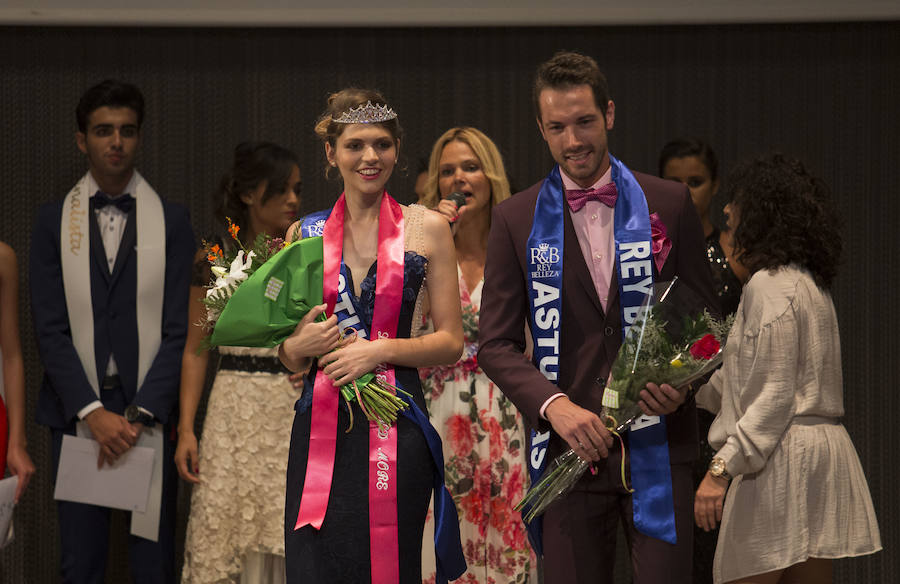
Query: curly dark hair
(785, 216)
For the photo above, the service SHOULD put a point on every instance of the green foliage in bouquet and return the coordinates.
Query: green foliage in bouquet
(674, 340)
(650, 355)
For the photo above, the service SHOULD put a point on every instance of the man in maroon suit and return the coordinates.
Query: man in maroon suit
(558, 393)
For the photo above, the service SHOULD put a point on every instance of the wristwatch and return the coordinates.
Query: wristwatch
(718, 470)
(134, 415)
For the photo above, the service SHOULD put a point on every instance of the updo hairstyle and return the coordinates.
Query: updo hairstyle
(343, 101)
(254, 163)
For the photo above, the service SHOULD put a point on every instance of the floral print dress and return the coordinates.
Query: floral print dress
(484, 461)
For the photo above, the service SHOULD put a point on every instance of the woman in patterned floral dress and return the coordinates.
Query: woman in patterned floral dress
(482, 432)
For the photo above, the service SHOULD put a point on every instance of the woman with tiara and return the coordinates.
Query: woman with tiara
(484, 440)
(357, 493)
(237, 469)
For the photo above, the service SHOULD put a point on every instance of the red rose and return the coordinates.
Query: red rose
(705, 348)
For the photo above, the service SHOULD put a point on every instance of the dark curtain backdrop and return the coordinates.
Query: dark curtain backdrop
(827, 93)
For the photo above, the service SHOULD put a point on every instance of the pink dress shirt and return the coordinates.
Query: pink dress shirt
(596, 238)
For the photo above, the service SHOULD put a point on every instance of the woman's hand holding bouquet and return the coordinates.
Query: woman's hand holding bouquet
(311, 337)
(271, 295)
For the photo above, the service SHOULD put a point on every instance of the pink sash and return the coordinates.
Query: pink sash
(383, 532)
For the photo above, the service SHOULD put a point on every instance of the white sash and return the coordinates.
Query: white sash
(151, 276)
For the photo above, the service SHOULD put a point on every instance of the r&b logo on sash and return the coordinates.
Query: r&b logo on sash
(317, 228)
(544, 259)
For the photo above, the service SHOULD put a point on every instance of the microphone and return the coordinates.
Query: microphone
(458, 198)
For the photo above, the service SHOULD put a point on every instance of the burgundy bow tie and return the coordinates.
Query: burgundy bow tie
(578, 197)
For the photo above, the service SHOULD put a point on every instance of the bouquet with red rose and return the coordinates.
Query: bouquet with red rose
(674, 340)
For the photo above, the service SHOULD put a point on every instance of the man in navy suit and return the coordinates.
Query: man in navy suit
(110, 270)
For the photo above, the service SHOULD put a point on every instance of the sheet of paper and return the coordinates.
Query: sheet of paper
(146, 524)
(7, 504)
(124, 485)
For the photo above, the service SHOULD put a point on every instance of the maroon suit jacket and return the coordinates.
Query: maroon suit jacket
(589, 338)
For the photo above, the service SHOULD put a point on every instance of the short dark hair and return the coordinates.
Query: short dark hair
(785, 216)
(566, 70)
(109, 93)
(690, 146)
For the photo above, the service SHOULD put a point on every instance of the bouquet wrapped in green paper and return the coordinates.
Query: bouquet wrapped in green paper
(259, 305)
(264, 309)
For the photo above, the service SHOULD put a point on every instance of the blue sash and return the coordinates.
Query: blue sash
(653, 506)
(652, 501)
(450, 561)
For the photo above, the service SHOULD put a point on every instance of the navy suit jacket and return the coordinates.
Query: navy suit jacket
(65, 388)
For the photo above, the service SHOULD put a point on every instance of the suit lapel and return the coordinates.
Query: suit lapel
(574, 263)
(98, 252)
(126, 246)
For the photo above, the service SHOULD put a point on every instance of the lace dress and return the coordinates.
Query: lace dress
(484, 461)
(235, 524)
(339, 551)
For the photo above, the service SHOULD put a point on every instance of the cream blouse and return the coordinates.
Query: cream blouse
(782, 362)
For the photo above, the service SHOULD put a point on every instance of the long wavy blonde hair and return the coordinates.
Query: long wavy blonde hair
(486, 152)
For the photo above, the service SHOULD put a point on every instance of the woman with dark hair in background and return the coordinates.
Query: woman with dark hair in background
(237, 503)
(798, 497)
(357, 493)
(693, 163)
(482, 431)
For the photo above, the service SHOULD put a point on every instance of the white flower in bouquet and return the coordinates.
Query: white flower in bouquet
(236, 274)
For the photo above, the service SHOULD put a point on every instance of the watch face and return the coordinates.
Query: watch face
(717, 467)
(132, 413)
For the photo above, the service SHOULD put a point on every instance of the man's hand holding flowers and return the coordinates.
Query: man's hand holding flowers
(580, 428)
(660, 400)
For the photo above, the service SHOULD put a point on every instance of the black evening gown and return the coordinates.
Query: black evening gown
(339, 551)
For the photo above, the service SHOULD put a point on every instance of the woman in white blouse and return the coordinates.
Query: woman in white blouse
(798, 497)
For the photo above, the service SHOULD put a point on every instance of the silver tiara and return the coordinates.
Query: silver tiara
(366, 114)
